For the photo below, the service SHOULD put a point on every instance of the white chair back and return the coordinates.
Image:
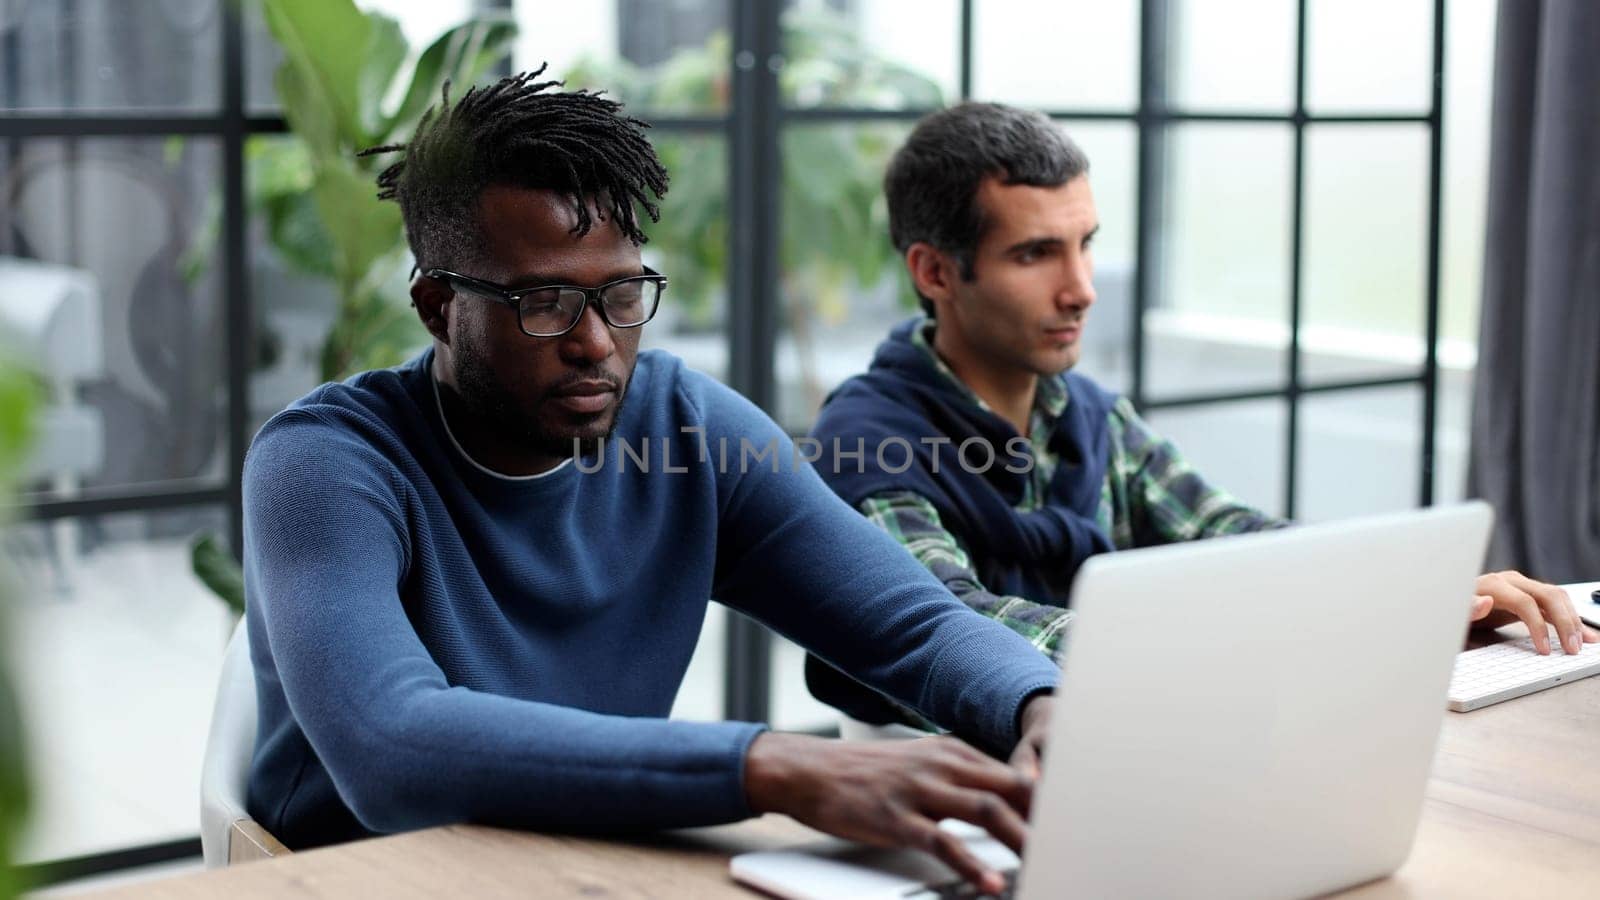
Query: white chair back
(229, 749)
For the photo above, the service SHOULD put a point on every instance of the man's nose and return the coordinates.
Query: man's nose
(1077, 284)
(590, 340)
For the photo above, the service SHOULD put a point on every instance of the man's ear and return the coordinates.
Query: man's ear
(933, 272)
(432, 298)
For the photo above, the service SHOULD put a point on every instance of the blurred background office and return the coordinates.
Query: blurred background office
(1290, 271)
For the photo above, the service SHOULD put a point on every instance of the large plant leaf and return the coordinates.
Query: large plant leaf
(299, 235)
(275, 164)
(459, 56)
(374, 330)
(18, 398)
(217, 570)
(310, 113)
(692, 236)
(364, 229)
(19, 394)
(279, 188)
(14, 793)
(339, 65)
(383, 56)
(319, 83)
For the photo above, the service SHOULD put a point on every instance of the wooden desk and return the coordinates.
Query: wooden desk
(1513, 810)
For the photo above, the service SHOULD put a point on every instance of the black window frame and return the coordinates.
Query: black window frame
(753, 331)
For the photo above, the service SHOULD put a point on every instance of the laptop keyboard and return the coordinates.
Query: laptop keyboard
(1511, 669)
(963, 890)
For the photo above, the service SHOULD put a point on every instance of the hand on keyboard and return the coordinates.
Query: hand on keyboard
(892, 794)
(1510, 596)
(1488, 675)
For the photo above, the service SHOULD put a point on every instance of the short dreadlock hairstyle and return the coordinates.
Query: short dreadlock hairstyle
(517, 133)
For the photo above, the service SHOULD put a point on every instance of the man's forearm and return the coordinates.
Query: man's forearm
(413, 758)
(913, 521)
(1042, 624)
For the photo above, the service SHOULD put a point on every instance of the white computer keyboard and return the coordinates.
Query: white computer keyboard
(1502, 671)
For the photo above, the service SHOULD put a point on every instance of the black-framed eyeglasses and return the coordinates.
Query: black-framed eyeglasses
(551, 310)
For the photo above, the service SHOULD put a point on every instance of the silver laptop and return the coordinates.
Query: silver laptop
(1252, 716)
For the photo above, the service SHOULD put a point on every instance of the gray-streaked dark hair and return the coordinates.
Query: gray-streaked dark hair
(932, 182)
(515, 132)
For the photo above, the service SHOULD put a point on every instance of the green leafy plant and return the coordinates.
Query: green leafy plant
(217, 570)
(317, 196)
(18, 398)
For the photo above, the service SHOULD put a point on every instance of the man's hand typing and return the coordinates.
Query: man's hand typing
(1035, 726)
(1509, 596)
(893, 794)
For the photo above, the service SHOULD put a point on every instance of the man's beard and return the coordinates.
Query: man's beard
(497, 409)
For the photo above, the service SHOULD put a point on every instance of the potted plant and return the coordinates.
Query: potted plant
(317, 197)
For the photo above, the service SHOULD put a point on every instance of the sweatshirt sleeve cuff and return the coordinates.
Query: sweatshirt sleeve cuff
(741, 747)
(1027, 695)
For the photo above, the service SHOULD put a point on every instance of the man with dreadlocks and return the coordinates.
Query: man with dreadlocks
(466, 604)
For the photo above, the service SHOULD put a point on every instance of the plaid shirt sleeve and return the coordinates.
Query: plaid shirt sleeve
(914, 522)
(1165, 499)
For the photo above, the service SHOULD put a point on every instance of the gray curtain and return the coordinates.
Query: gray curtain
(1536, 411)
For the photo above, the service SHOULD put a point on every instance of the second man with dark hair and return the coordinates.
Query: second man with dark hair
(992, 208)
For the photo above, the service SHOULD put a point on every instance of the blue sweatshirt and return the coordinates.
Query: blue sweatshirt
(435, 643)
(904, 396)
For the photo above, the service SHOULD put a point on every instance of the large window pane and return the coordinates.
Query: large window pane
(1470, 37)
(1112, 148)
(1366, 237)
(1220, 321)
(701, 697)
(1237, 446)
(842, 282)
(1360, 452)
(875, 56)
(117, 648)
(421, 20)
(659, 58)
(1370, 56)
(1468, 89)
(793, 707)
(111, 55)
(109, 266)
(1209, 72)
(690, 246)
(1452, 432)
(843, 289)
(1066, 54)
(261, 58)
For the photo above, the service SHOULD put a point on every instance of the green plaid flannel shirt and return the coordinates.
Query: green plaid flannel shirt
(1151, 495)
